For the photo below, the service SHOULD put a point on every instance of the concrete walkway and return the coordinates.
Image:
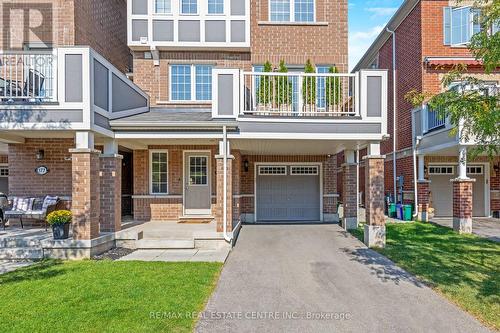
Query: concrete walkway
(178, 255)
(317, 278)
(10, 266)
(485, 227)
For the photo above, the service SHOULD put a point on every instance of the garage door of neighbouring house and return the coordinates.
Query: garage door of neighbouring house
(288, 193)
(442, 189)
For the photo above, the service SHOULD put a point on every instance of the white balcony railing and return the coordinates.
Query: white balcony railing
(432, 119)
(299, 94)
(28, 77)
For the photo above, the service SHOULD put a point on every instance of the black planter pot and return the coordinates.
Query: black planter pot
(60, 231)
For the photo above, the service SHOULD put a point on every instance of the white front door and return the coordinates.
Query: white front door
(197, 193)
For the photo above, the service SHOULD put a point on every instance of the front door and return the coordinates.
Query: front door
(197, 193)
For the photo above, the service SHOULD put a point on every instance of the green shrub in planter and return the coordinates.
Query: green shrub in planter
(60, 221)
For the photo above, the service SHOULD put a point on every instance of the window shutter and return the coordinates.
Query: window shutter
(447, 25)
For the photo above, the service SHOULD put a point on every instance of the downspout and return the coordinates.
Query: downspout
(357, 184)
(416, 142)
(224, 191)
(394, 108)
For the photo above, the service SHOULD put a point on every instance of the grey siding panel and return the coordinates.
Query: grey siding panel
(139, 29)
(101, 121)
(140, 7)
(215, 31)
(189, 31)
(225, 95)
(374, 96)
(63, 117)
(126, 98)
(237, 7)
(101, 84)
(73, 83)
(163, 31)
(238, 31)
(4, 185)
(437, 138)
(344, 128)
(417, 121)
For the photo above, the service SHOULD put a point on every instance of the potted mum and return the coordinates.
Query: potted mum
(60, 220)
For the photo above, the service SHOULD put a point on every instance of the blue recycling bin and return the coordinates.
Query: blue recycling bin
(399, 211)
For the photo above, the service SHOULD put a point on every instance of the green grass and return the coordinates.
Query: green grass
(105, 296)
(464, 268)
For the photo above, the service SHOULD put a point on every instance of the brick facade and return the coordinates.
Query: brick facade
(350, 193)
(99, 24)
(423, 200)
(462, 205)
(374, 190)
(110, 218)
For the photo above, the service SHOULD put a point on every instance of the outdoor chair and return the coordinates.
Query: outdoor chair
(30, 208)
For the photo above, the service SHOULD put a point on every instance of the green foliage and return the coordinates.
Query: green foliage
(333, 89)
(283, 86)
(309, 84)
(264, 91)
(59, 217)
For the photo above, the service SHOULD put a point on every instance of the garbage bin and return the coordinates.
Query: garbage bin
(399, 211)
(392, 210)
(407, 212)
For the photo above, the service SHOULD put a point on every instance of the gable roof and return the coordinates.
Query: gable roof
(403, 11)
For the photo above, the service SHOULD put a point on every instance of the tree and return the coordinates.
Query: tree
(333, 90)
(309, 85)
(283, 87)
(472, 104)
(264, 92)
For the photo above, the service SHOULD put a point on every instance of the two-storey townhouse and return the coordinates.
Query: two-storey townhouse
(420, 44)
(209, 135)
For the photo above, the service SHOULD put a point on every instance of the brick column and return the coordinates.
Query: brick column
(236, 180)
(374, 201)
(349, 193)
(219, 210)
(111, 190)
(462, 205)
(85, 193)
(423, 200)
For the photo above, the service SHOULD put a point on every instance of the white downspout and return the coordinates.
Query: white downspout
(357, 184)
(394, 108)
(415, 175)
(224, 191)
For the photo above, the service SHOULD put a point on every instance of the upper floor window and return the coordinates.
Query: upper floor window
(189, 6)
(460, 24)
(190, 82)
(163, 6)
(291, 11)
(216, 6)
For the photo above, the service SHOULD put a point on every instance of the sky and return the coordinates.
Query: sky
(366, 20)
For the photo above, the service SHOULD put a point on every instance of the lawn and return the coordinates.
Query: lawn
(105, 296)
(464, 268)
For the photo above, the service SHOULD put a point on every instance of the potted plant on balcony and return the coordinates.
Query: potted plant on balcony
(60, 221)
(309, 88)
(283, 90)
(333, 91)
(265, 89)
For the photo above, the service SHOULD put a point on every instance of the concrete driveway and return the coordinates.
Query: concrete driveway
(317, 278)
(486, 227)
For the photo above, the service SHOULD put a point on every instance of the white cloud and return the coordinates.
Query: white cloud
(381, 11)
(360, 41)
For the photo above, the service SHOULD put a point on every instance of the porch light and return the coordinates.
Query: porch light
(246, 165)
(40, 154)
(496, 167)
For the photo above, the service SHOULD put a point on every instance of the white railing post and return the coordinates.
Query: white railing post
(243, 95)
(357, 99)
(300, 103)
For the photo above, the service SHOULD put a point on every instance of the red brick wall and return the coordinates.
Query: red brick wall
(23, 181)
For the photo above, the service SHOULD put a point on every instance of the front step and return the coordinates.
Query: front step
(21, 253)
(10, 242)
(148, 243)
(196, 219)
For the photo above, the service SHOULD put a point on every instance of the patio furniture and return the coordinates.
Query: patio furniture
(30, 208)
(4, 204)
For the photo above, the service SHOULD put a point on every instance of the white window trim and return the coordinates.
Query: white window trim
(480, 167)
(4, 166)
(189, 14)
(207, 166)
(441, 166)
(151, 151)
(470, 25)
(217, 14)
(292, 13)
(153, 10)
(315, 173)
(193, 84)
(283, 167)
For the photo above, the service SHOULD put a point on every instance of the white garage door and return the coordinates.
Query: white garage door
(287, 193)
(442, 189)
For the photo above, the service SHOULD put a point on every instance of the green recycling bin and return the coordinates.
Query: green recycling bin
(407, 212)
(392, 210)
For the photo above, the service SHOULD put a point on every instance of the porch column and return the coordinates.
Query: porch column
(219, 210)
(85, 187)
(462, 196)
(349, 191)
(111, 188)
(374, 197)
(422, 191)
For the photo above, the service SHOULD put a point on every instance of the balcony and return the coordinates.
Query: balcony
(72, 88)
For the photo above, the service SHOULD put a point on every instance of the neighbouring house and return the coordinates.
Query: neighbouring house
(215, 122)
(425, 39)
